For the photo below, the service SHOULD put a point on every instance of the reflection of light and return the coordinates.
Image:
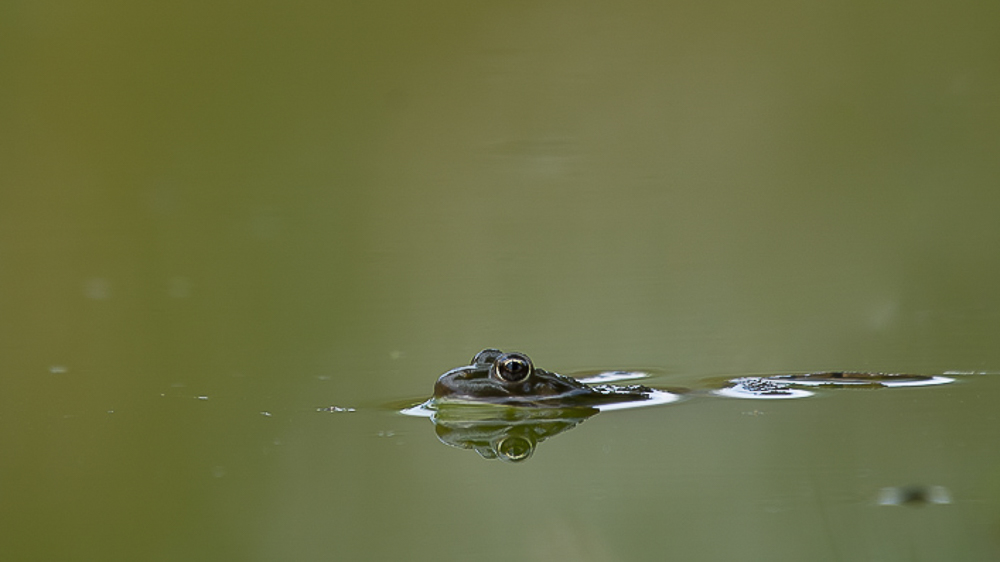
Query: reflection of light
(421, 410)
(614, 376)
(927, 381)
(656, 397)
(739, 391)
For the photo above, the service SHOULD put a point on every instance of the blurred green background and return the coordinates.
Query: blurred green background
(217, 217)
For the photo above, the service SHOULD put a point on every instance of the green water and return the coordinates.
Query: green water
(216, 219)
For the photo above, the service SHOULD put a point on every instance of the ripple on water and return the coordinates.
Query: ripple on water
(656, 397)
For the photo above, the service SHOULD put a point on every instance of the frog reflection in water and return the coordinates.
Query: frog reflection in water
(510, 379)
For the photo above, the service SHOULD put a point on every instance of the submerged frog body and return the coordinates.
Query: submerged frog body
(510, 379)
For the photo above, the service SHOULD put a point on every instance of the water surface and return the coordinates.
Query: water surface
(230, 238)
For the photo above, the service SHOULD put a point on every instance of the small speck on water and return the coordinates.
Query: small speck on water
(266, 414)
(97, 288)
(179, 287)
(58, 369)
(386, 433)
(335, 409)
(202, 397)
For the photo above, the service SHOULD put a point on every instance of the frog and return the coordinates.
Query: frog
(511, 379)
(502, 406)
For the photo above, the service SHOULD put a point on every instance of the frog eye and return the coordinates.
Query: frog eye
(512, 367)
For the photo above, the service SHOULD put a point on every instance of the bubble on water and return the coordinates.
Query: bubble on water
(883, 314)
(162, 198)
(267, 225)
(179, 287)
(97, 288)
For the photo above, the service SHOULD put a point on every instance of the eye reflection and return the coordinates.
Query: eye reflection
(514, 449)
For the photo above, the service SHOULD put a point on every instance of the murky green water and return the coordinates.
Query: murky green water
(217, 220)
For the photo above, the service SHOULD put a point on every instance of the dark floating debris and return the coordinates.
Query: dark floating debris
(914, 495)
